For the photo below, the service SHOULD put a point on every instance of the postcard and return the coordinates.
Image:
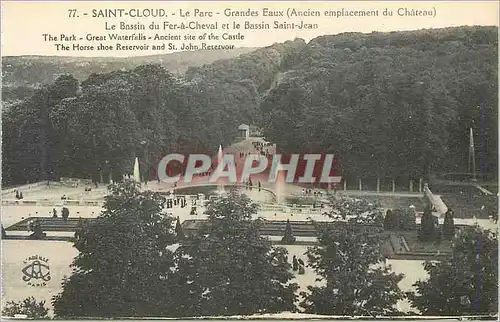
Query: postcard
(249, 160)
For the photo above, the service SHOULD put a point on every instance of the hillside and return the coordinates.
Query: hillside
(22, 73)
(393, 104)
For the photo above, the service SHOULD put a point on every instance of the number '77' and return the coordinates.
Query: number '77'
(72, 13)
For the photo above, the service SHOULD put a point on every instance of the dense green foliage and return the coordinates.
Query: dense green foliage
(448, 225)
(390, 104)
(122, 268)
(29, 137)
(130, 262)
(400, 219)
(387, 104)
(29, 307)
(349, 262)
(227, 268)
(466, 283)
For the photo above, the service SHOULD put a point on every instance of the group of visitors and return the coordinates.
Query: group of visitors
(311, 192)
(298, 265)
(258, 145)
(248, 184)
(263, 147)
(34, 225)
(170, 203)
(266, 153)
(64, 213)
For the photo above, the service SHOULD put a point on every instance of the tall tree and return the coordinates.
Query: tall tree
(427, 226)
(123, 265)
(29, 137)
(227, 268)
(349, 263)
(179, 232)
(466, 283)
(448, 225)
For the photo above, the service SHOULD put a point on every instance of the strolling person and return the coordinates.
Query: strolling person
(29, 226)
(301, 267)
(65, 213)
(295, 263)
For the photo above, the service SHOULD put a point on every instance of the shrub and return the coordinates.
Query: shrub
(405, 219)
(400, 219)
(288, 238)
(29, 307)
(448, 225)
(389, 220)
(178, 229)
(65, 213)
(427, 226)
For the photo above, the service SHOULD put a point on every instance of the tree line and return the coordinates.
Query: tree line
(387, 104)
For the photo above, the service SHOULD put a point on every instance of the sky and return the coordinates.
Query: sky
(25, 23)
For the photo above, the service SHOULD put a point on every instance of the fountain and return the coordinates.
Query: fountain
(280, 185)
(472, 156)
(136, 174)
(220, 187)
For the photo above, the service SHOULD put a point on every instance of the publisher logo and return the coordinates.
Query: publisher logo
(37, 271)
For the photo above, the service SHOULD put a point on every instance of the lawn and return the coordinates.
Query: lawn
(457, 189)
(391, 202)
(467, 201)
(469, 206)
